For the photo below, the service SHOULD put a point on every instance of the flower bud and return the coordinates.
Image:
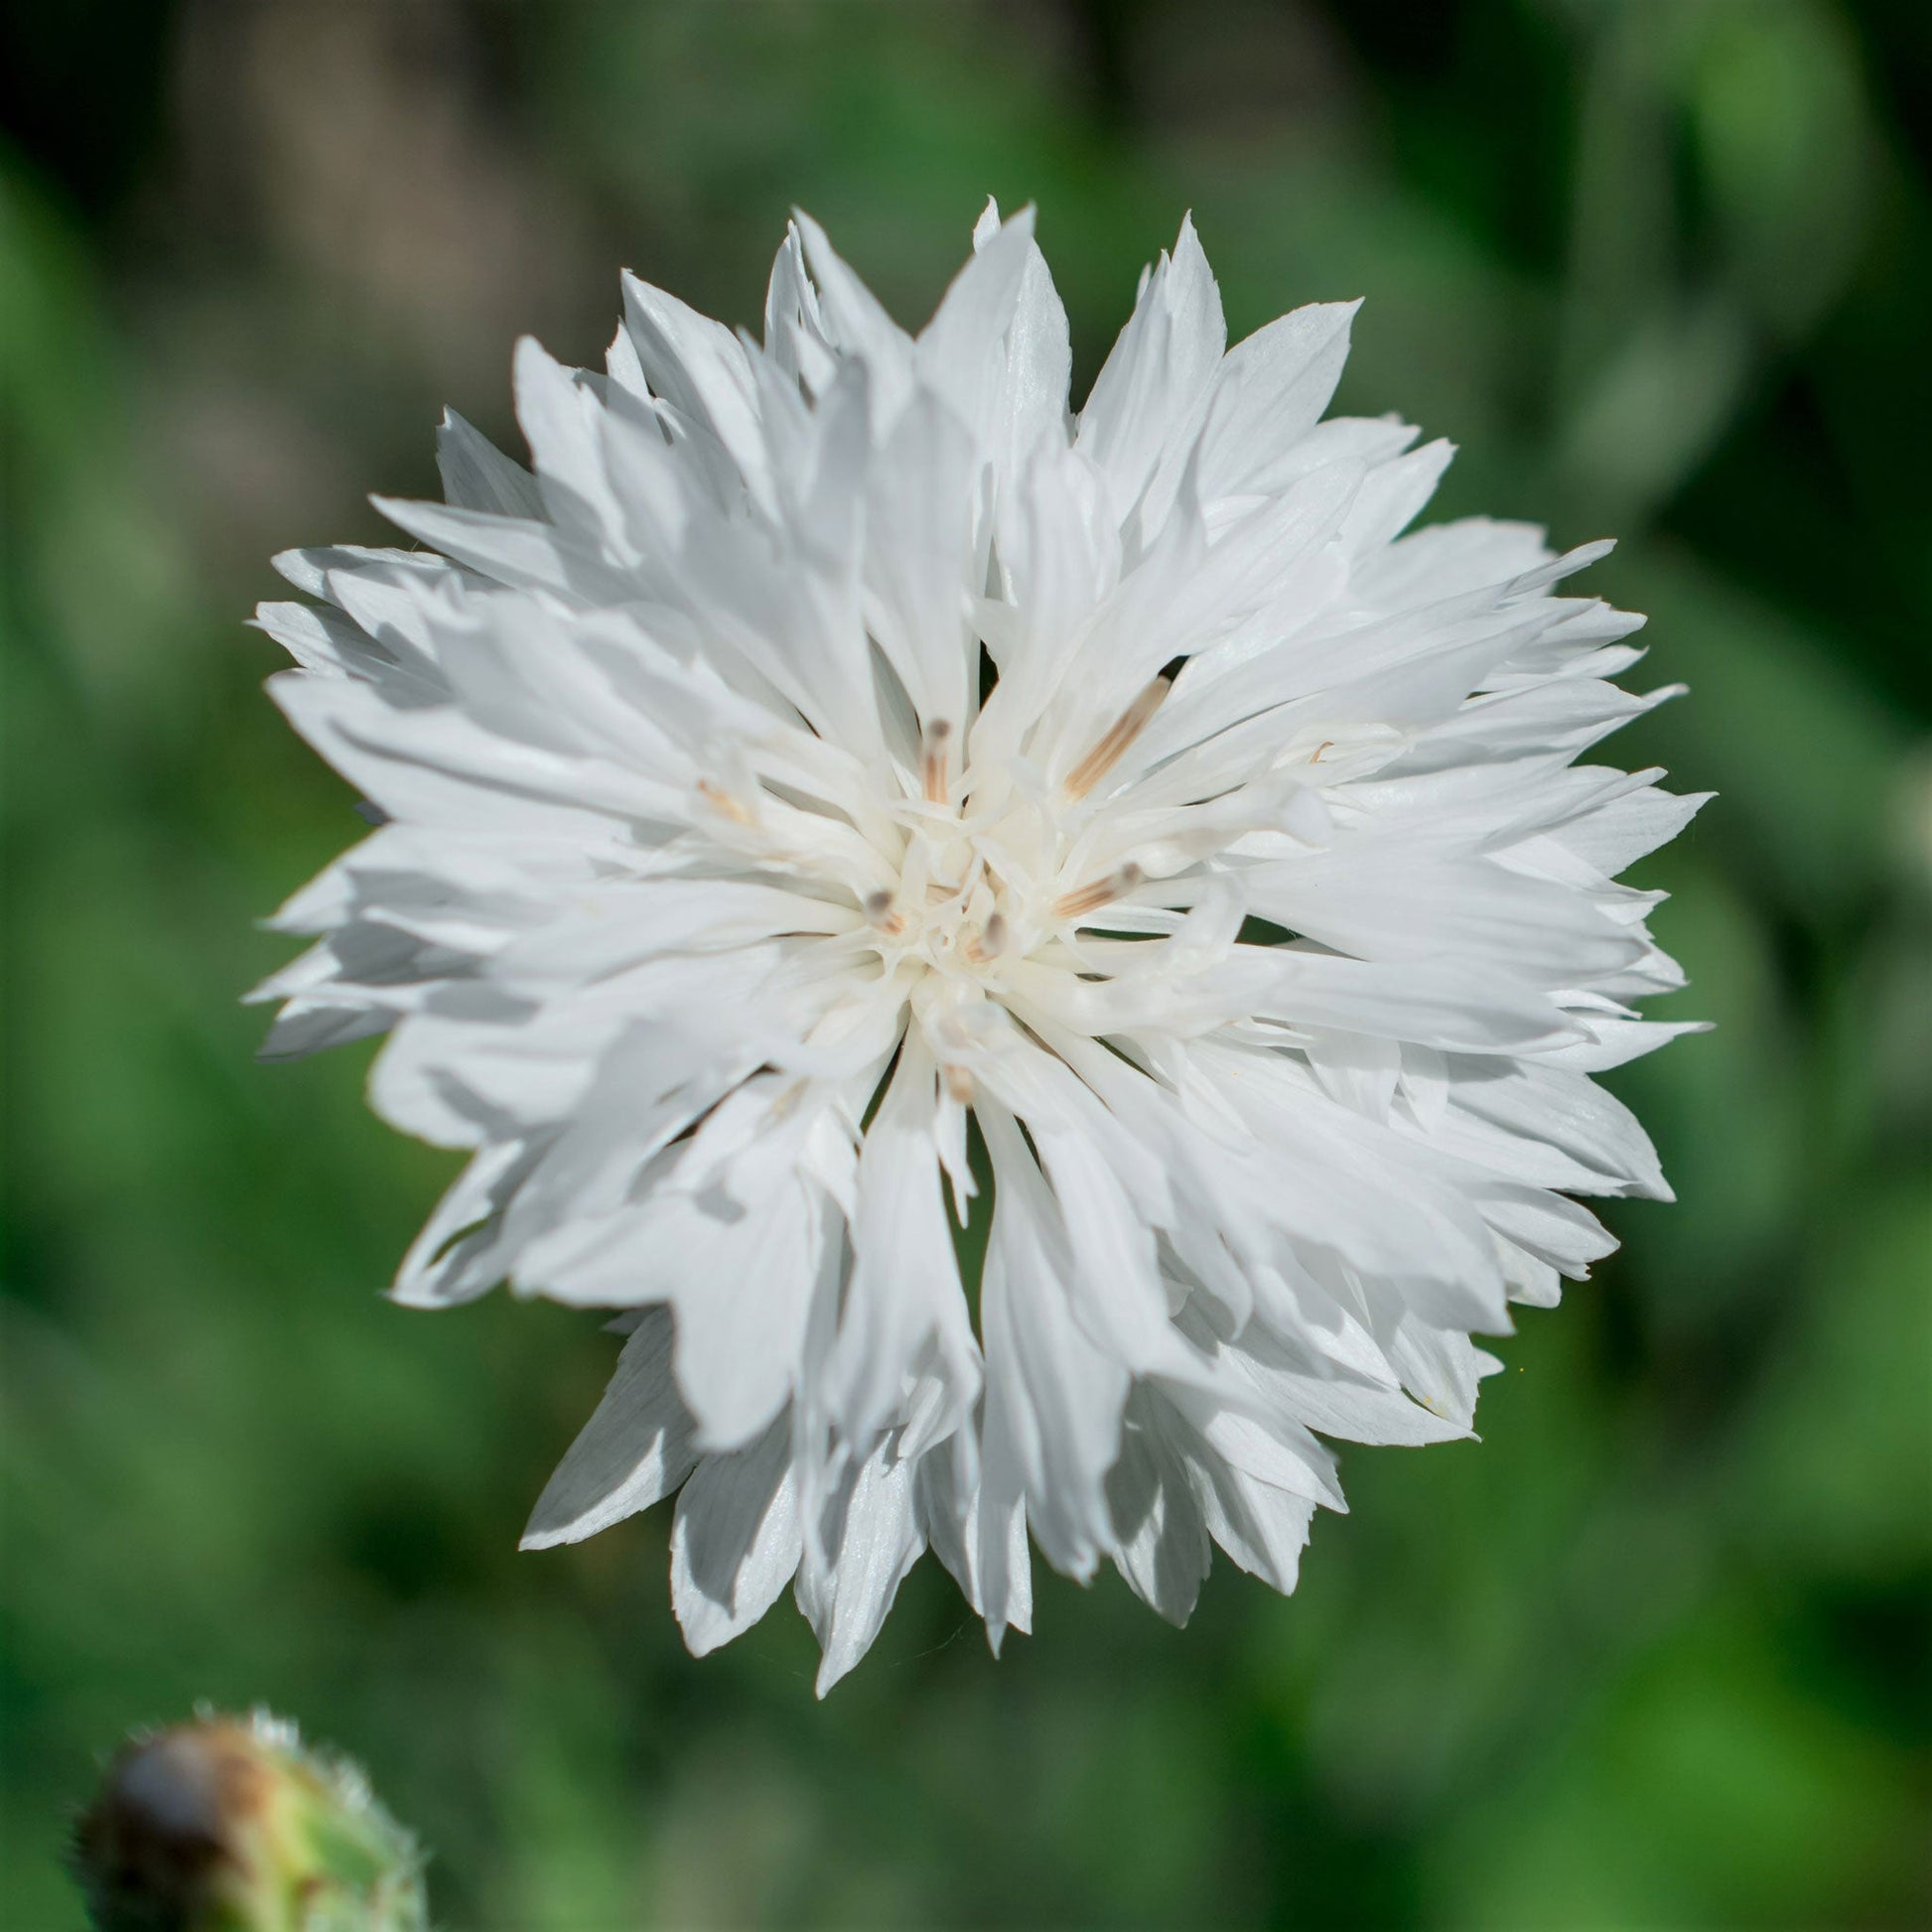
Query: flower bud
(231, 1825)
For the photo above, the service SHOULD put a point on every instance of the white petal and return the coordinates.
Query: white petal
(904, 1281)
(633, 1452)
(735, 1540)
(919, 559)
(1162, 1544)
(1158, 372)
(741, 1300)
(961, 350)
(1053, 1398)
(1268, 394)
(699, 367)
(872, 1543)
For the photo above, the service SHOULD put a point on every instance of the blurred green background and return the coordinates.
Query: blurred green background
(1656, 1654)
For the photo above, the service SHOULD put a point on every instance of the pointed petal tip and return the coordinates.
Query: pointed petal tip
(406, 1296)
(532, 363)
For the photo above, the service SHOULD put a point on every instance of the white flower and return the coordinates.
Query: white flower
(839, 775)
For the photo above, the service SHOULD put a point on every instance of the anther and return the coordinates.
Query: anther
(933, 761)
(989, 942)
(1117, 736)
(959, 1084)
(879, 910)
(1069, 905)
(1326, 744)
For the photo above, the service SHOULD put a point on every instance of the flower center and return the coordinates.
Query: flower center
(994, 866)
(966, 903)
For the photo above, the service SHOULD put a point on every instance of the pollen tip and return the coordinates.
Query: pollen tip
(989, 942)
(1090, 898)
(877, 909)
(1118, 736)
(933, 775)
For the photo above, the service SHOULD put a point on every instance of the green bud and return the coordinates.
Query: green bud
(231, 1825)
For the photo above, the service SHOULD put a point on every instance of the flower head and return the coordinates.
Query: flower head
(840, 794)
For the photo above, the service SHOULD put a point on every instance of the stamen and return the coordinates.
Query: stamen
(1071, 904)
(720, 800)
(934, 774)
(989, 942)
(1326, 744)
(879, 909)
(959, 1084)
(1117, 736)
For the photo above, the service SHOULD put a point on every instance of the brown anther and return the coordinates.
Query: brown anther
(989, 942)
(1087, 899)
(934, 762)
(879, 910)
(959, 1084)
(1116, 737)
(720, 800)
(1326, 744)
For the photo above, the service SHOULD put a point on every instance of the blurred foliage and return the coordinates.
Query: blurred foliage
(1656, 1654)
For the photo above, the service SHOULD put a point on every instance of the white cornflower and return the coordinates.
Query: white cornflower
(839, 777)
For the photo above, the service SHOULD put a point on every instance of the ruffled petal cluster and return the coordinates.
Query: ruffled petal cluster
(837, 791)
